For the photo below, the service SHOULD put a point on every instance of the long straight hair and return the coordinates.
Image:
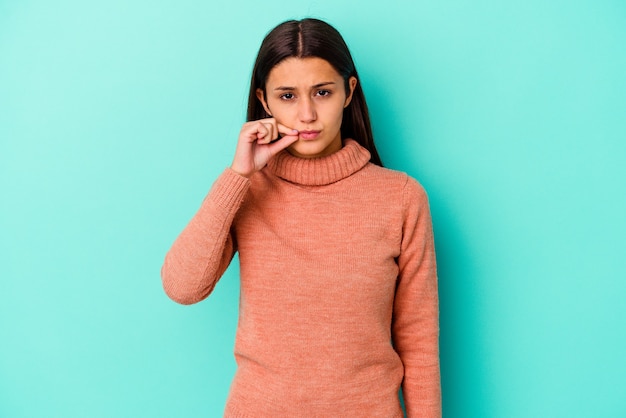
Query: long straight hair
(309, 38)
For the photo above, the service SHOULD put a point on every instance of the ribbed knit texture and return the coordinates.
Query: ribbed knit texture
(320, 171)
(338, 302)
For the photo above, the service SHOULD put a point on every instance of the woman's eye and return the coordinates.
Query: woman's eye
(287, 96)
(323, 93)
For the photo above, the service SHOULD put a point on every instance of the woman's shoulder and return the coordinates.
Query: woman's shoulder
(392, 179)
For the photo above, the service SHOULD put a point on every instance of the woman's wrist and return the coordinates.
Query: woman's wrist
(242, 173)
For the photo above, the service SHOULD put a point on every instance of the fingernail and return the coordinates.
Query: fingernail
(295, 131)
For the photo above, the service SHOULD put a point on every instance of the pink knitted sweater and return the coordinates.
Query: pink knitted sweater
(338, 302)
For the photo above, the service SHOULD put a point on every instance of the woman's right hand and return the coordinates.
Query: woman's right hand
(258, 143)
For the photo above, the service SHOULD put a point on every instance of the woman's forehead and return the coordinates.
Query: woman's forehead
(302, 72)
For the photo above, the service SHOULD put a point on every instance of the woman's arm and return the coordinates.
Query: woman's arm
(204, 249)
(415, 324)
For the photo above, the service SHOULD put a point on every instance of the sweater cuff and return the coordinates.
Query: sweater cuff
(229, 190)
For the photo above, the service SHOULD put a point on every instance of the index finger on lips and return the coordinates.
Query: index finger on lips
(285, 130)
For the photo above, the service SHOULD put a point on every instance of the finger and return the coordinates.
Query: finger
(274, 130)
(277, 146)
(269, 133)
(285, 130)
(253, 131)
(262, 131)
(249, 131)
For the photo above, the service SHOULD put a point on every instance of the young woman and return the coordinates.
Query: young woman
(339, 305)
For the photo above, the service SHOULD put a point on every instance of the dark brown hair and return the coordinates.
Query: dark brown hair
(313, 38)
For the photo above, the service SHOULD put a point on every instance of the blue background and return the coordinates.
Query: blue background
(116, 117)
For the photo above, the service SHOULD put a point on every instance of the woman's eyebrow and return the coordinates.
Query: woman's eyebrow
(326, 83)
(316, 86)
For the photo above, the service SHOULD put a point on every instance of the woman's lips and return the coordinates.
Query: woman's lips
(308, 135)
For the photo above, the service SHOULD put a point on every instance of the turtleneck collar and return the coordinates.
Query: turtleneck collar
(320, 171)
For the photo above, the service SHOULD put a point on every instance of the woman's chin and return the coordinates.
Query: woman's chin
(303, 148)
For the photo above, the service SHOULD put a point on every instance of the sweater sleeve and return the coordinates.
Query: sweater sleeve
(415, 324)
(204, 249)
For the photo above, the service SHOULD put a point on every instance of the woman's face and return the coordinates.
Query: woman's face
(309, 95)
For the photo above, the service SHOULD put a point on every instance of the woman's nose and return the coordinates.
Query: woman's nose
(306, 110)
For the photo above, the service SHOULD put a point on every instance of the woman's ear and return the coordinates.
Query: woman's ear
(260, 94)
(352, 81)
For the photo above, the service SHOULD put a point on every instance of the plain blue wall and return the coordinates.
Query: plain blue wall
(116, 116)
